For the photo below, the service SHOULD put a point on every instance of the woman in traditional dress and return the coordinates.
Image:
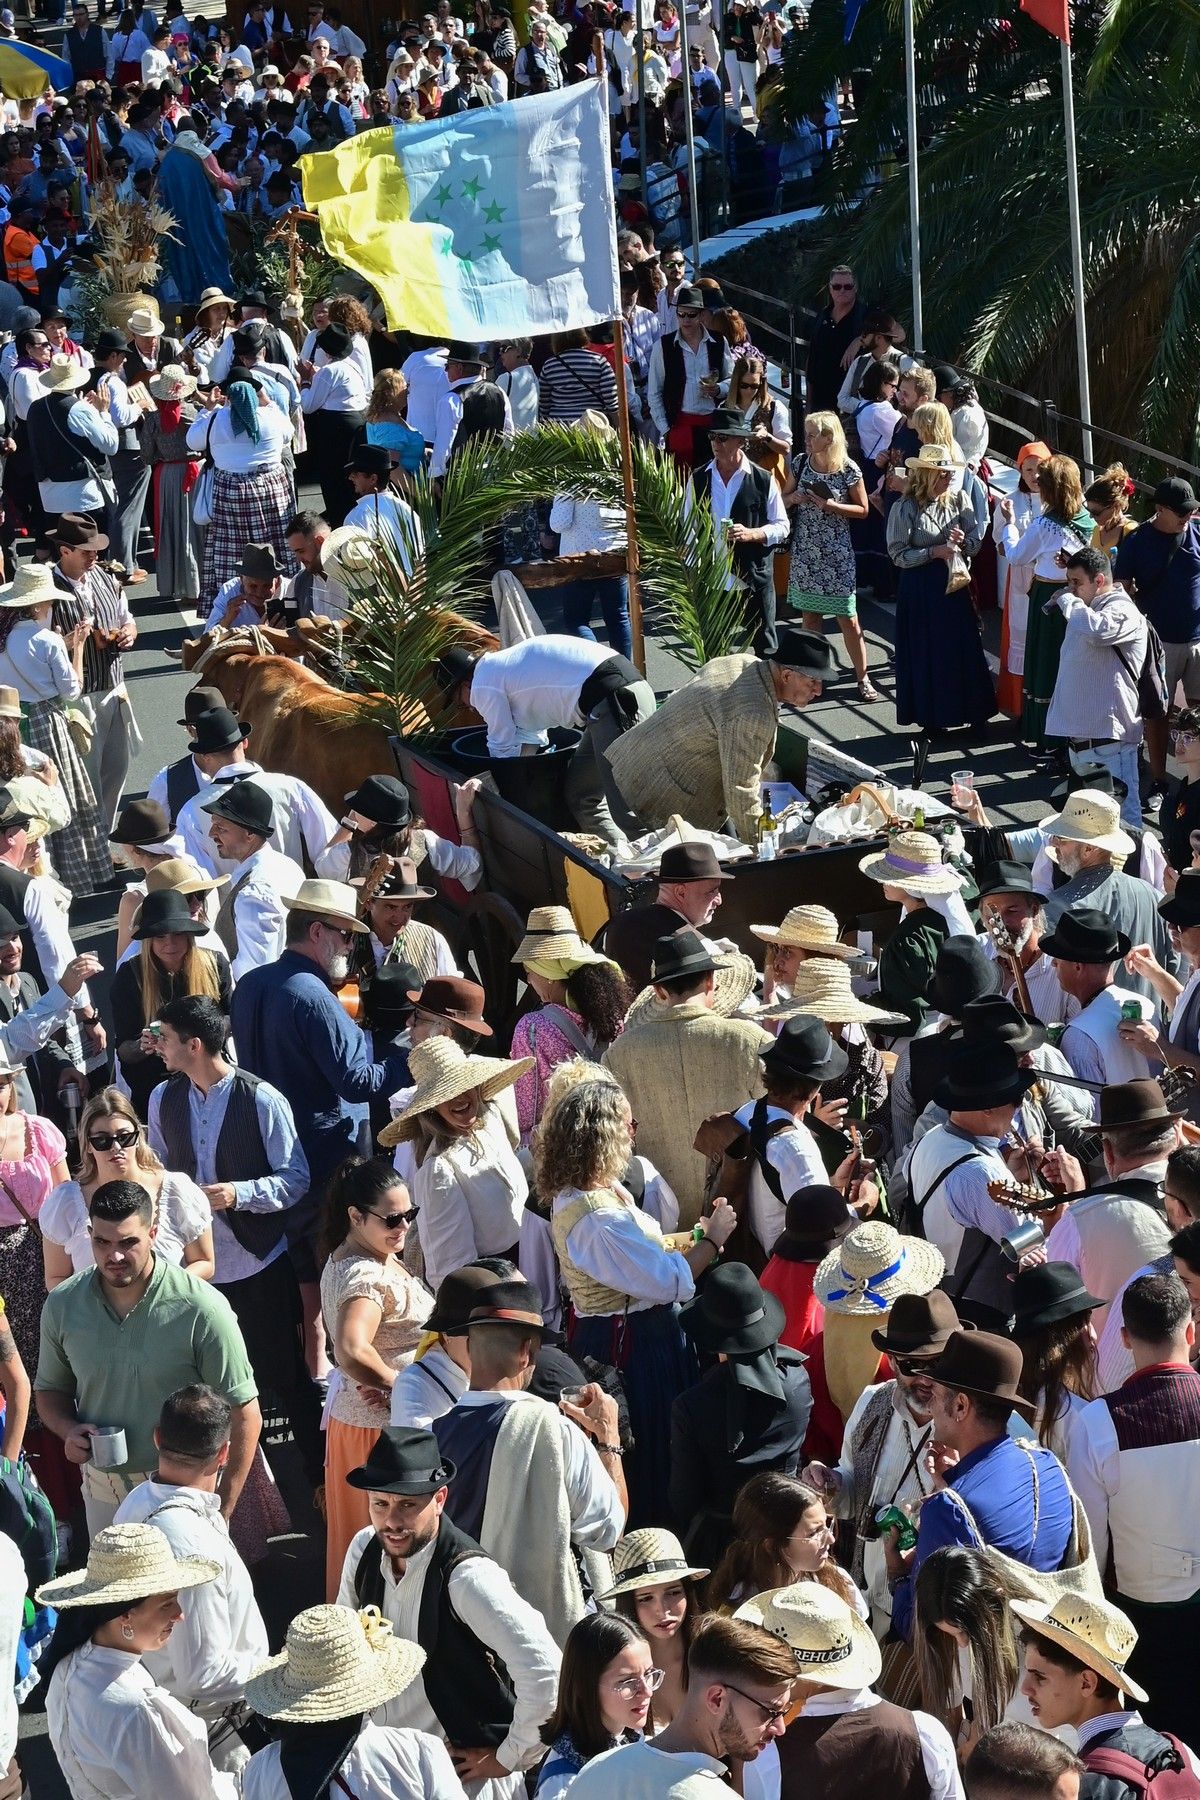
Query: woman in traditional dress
(1062, 527)
(173, 471)
(252, 496)
(212, 327)
(1027, 506)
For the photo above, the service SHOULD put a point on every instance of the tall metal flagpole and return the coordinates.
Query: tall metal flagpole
(914, 189)
(1081, 337)
(690, 129)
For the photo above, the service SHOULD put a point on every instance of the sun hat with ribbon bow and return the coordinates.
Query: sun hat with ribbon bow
(335, 1663)
(872, 1267)
(913, 861)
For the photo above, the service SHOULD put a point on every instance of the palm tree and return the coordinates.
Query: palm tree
(995, 252)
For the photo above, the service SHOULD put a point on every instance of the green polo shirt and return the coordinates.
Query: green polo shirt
(119, 1371)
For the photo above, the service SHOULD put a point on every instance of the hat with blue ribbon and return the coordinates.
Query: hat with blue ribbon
(872, 1267)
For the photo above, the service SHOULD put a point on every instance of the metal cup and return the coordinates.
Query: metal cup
(1022, 1239)
(109, 1450)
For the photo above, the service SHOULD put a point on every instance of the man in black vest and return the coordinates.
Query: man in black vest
(235, 1136)
(175, 784)
(689, 893)
(689, 368)
(747, 505)
(85, 47)
(491, 1667)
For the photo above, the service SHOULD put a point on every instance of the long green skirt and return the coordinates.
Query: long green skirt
(1043, 646)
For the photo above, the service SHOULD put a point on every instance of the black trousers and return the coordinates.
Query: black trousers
(268, 1310)
(1166, 1661)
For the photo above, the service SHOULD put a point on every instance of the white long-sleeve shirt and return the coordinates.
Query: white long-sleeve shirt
(221, 1639)
(387, 515)
(427, 1389)
(34, 661)
(447, 415)
(240, 455)
(1108, 1236)
(425, 373)
(458, 862)
(259, 915)
(303, 823)
(409, 1763)
(487, 1603)
(794, 1154)
(722, 495)
(532, 686)
(469, 1198)
(98, 430)
(1038, 545)
(696, 368)
(337, 387)
(615, 1247)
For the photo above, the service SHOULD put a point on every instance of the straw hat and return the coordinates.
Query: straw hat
(551, 936)
(913, 861)
(350, 551)
(172, 383)
(1091, 1630)
(142, 322)
(61, 375)
(334, 900)
(649, 1558)
(127, 1562)
(335, 1663)
(591, 420)
(831, 1644)
(213, 296)
(933, 458)
(807, 928)
(821, 986)
(32, 585)
(1090, 817)
(10, 703)
(442, 1071)
(872, 1267)
(182, 875)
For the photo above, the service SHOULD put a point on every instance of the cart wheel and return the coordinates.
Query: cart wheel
(491, 931)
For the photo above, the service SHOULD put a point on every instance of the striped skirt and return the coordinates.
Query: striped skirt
(246, 509)
(80, 850)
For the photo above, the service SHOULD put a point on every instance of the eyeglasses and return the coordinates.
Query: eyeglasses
(911, 1365)
(394, 1220)
(633, 1685)
(720, 437)
(771, 1714)
(1183, 740)
(337, 931)
(115, 1140)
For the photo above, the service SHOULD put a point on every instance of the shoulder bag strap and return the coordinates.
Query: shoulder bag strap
(760, 1133)
(920, 1205)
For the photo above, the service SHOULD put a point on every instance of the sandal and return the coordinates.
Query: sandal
(867, 692)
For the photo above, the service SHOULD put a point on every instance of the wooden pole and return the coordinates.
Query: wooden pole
(631, 547)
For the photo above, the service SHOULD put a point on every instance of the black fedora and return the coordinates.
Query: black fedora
(514, 1302)
(383, 800)
(1084, 934)
(919, 1325)
(984, 1076)
(732, 1315)
(1045, 1295)
(983, 1365)
(804, 1048)
(726, 421)
(963, 972)
(680, 954)
(467, 354)
(336, 341)
(218, 729)
(141, 822)
(165, 911)
(691, 862)
(805, 651)
(816, 1219)
(457, 1297)
(259, 562)
(371, 459)
(243, 803)
(454, 667)
(200, 700)
(386, 995)
(1182, 908)
(1007, 877)
(994, 1020)
(1125, 1103)
(403, 1460)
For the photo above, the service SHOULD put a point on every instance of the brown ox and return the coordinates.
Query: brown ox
(303, 726)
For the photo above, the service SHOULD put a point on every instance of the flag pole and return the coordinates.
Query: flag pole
(690, 132)
(914, 189)
(1081, 337)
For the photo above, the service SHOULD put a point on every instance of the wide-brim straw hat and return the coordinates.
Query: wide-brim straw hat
(829, 1641)
(32, 585)
(213, 296)
(1090, 817)
(1092, 1630)
(551, 936)
(127, 1563)
(172, 382)
(442, 1070)
(349, 551)
(61, 375)
(335, 1663)
(933, 459)
(913, 861)
(733, 983)
(872, 1266)
(807, 928)
(649, 1558)
(335, 900)
(821, 986)
(178, 873)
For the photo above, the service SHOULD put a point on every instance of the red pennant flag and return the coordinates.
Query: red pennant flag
(1053, 16)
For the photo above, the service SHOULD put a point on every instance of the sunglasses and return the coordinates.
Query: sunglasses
(115, 1140)
(337, 931)
(394, 1220)
(687, 312)
(911, 1365)
(841, 287)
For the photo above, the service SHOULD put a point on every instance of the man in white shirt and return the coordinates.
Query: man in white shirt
(156, 64)
(33, 899)
(748, 508)
(177, 781)
(426, 1389)
(379, 510)
(689, 369)
(436, 1587)
(252, 921)
(464, 367)
(53, 421)
(303, 823)
(1010, 906)
(1181, 1205)
(130, 470)
(1085, 947)
(221, 1638)
(311, 593)
(1095, 704)
(247, 598)
(425, 373)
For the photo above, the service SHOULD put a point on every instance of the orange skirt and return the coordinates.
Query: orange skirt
(347, 1508)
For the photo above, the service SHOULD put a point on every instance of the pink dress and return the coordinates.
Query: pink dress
(543, 1035)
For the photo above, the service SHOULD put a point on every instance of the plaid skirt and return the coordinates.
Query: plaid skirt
(246, 509)
(80, 850)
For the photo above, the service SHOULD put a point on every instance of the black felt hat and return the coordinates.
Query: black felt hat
(404, 1460)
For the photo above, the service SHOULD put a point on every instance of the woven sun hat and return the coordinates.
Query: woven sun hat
(1090, 817)
(933, 456)
(821, 986)
(144, 323)
(32, 585)
(180, 873)
(61, 375)
(172, 383)
(334, 900)
(127, 1563)
(10, 703)
(807, 928)
(349, 551)
(1092, 1630)
(551, 936)
(831, 1644)
(872, 1266)
(335, 1663)
(913, 861)
(649, 1558)
(213, 296)
(442, 1070)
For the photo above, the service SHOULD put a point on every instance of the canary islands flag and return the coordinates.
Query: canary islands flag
(493, 222)
(27, 70)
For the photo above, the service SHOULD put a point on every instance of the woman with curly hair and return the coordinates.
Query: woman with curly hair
(625, 1283)
(584, 999)
(1107, 501)
(1063, 525)
(344, 309)
(781, 1534)
(387, 424)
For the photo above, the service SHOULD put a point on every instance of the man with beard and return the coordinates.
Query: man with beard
(492, 1683)
(291, 1031)
(1011, 904)
(736, 1699)
(887, 1436)
(1087, 841)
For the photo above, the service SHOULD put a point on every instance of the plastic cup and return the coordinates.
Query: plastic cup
(962, 789)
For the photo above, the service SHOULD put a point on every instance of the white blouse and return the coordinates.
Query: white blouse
(470, 1198)
(183, 1215)
(237, 454)
(1039, 544)
(383, 1761)
(34, 661)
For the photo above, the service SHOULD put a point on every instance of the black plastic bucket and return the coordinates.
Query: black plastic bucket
(537, 784)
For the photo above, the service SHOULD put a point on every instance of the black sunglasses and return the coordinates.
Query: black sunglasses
(396, 1219)
(118, 1140)
(912, 1365)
